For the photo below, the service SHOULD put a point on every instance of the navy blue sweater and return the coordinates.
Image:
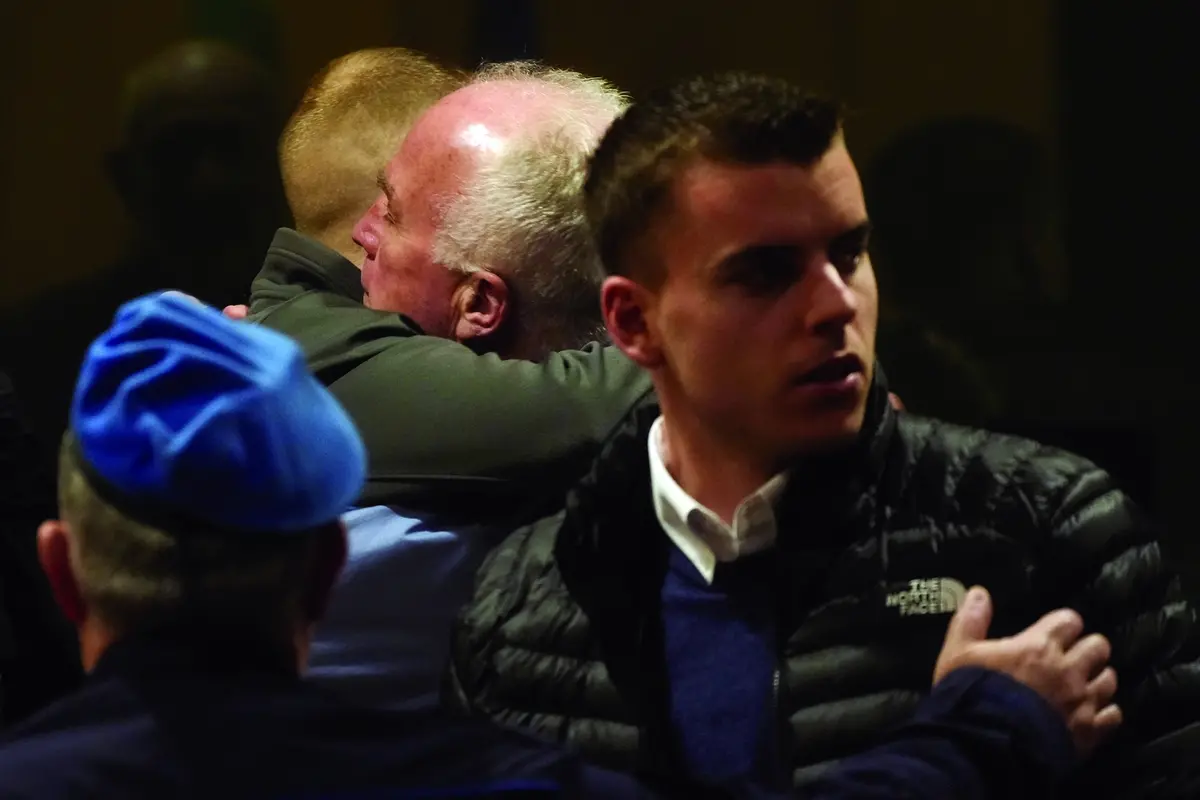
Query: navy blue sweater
(721, 658)
(980, 734)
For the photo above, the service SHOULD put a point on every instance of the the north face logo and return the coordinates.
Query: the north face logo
(928, 596)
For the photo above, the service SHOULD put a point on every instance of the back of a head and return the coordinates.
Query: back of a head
(729, 117)
(192, 80)
(349, 123)
(202, 464)
(198, 126)
(522, 214)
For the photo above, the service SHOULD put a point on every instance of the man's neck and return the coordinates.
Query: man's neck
(714, 475)
(95, 638)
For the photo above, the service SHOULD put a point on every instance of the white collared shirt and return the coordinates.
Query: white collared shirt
(697, 531)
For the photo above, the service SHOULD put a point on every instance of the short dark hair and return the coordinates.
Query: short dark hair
(730, 116)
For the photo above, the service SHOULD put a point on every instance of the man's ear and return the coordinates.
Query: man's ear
(54, 553)
(628, 307)
(481, 304)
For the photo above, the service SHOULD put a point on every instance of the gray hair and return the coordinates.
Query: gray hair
(135, 576)
(523, 217)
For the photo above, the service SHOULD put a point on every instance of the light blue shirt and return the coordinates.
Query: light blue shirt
(385, 639)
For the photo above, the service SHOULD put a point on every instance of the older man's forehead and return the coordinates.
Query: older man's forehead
(486, 116)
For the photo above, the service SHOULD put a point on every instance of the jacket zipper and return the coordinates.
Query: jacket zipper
(781, 762)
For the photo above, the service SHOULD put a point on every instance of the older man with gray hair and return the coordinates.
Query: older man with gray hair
(478, 265)
(484, 201)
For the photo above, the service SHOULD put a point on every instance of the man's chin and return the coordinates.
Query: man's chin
(826, 431)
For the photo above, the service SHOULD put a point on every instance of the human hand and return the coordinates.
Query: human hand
(1071, 674)
(236, 312)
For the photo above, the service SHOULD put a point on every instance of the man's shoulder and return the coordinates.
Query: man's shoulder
(976, 480)
(525, 552)
(74, 742)
(415, 748)
(976, 468)
(298, 267)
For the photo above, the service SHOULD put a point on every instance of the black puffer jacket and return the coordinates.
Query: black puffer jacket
(563, 635)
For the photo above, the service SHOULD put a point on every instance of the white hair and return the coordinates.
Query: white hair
(522, 215)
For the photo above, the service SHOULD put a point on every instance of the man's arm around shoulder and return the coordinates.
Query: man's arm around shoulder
(440, 420)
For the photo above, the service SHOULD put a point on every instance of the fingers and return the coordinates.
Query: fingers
(1062, 626)
(1108, 719)
(1089, 655)
(1096, 717)
(1103, 687)
(237, 312)
(1089, 727)
(971, 621)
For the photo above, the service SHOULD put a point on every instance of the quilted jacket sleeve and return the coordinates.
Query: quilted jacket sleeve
(1106, 562)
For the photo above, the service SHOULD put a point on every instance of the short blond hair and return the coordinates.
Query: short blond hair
(135, 576)
(348, 125)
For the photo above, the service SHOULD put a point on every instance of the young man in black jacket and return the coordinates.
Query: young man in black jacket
(197, 546)
(772, 504)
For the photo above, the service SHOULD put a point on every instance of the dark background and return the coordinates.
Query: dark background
(1091, 347)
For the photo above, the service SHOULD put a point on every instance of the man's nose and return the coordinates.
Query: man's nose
(364, 235)
(832, 304)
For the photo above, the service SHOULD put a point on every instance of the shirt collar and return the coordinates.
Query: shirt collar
(696, 530)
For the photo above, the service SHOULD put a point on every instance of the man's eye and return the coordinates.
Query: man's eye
(847, 261)
(764, 270)
(765, 280)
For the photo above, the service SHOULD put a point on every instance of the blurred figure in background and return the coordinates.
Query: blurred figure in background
(969, 243)
(195, 169)
(965, 235)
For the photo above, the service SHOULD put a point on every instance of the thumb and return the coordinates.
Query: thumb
(971, 621)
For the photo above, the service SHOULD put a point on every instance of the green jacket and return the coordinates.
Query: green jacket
(449, 431)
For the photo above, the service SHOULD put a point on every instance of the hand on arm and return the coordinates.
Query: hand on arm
(1070, 673)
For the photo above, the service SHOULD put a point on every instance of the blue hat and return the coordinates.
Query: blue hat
(182, 413)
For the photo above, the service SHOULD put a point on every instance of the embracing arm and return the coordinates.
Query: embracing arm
(442, 422)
